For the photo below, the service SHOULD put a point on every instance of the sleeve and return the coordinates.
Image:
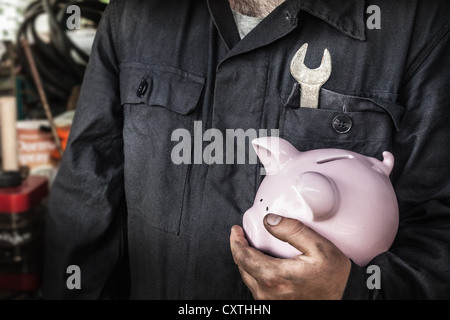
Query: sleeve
(86, 220)
(417, 266)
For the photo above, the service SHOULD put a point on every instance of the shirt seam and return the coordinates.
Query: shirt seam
(113, 25)
(425, 54)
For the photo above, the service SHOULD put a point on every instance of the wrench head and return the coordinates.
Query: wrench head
(307, 76)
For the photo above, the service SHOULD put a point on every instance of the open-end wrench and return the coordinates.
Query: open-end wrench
(310, 80)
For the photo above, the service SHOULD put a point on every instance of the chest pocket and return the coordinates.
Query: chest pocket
(156, 100)
(363, 125)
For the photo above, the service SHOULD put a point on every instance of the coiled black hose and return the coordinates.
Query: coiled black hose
(55, 61)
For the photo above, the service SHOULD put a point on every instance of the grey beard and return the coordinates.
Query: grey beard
(255, 8)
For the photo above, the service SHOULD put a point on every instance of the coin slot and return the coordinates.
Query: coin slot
(334, 158)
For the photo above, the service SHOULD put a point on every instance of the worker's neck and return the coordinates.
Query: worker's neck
(255, 8)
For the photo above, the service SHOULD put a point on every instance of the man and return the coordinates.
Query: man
(120, 202)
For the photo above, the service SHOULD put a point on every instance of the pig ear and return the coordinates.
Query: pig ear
(274, 153)
(320, 194)
(387, 164)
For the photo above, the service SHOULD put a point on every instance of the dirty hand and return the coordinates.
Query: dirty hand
(320, 273)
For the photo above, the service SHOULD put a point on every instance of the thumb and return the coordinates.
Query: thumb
(293, 232)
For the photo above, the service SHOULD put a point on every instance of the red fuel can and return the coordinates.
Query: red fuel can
(22, 218)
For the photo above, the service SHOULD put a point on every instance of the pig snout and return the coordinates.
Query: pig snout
(259, 238)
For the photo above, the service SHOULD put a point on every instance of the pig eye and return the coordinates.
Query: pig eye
(261, 200)
(335, 158)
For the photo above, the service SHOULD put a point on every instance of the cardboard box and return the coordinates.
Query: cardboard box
(36, 147)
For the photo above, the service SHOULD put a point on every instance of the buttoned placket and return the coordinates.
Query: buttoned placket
(282, 21)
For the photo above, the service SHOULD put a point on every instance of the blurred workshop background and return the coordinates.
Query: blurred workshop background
(44, 50)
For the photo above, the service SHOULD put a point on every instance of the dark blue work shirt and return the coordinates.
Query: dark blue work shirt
(120, 202)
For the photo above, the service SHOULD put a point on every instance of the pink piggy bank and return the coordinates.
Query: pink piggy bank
(346, 197)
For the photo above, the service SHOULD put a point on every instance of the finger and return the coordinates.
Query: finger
(249, 281)
(237, 237)
(295, 233)
(249, 259)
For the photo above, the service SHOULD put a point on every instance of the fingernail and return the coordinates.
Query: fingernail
(273, 219)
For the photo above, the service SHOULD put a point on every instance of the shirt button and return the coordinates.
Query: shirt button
(143, 86)
(287, 15)
(290, 17)
(342, 124)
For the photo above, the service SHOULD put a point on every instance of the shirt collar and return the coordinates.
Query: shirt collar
(347, 16)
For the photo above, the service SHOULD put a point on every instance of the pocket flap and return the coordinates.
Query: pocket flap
(330, 100)
(168, 87)
(392, 107)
